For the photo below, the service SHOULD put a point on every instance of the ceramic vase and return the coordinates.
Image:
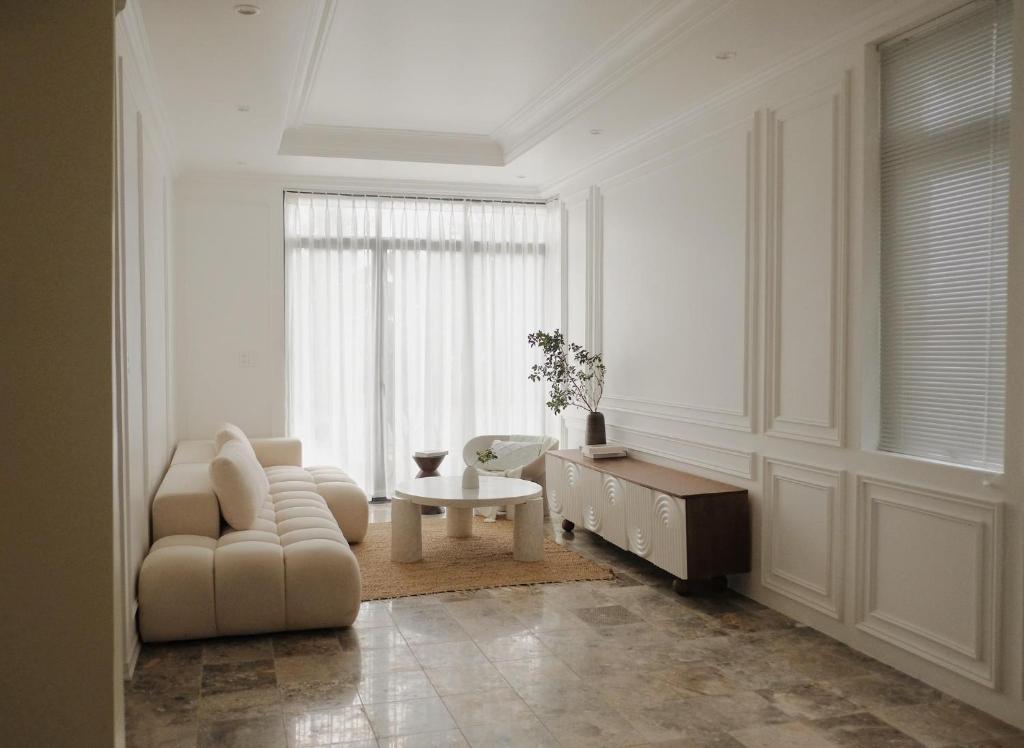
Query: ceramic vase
(470, 477)
(595, 428)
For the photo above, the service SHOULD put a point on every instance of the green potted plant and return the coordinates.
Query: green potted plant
(575, 377)
(470, 476)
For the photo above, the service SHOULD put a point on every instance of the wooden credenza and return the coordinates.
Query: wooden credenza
(692, 527)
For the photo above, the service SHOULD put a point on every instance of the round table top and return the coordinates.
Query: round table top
(447, 490)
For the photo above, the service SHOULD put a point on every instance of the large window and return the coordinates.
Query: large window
(406, 327)
(945, 94)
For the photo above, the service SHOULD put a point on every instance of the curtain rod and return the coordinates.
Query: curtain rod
(448, 198)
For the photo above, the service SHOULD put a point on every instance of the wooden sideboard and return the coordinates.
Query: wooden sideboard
(692, 527)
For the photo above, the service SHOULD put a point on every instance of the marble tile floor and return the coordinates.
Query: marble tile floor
(625, 662)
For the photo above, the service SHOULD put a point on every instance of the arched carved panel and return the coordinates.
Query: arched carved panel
(555, 484)
(613, 510)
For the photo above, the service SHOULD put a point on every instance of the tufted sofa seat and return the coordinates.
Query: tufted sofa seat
(292, 569)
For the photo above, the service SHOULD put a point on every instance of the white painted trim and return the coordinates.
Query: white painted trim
(410, 187)
(980, 660)
(737, 420)
(735, 462)
(139, 59)
(827, 599)
(132, 660)
(637, 45)
(830, 430)
(318, 25)
(595, 270)
(390, 145)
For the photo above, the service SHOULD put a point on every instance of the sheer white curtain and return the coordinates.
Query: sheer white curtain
(406, 327)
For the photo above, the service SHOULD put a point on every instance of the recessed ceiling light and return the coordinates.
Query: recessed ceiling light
(520, 176)
(242, 107)
(726, 54)
(596, 131)
(248, 10)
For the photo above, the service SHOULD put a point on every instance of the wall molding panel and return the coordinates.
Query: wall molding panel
(802, 562)
(735, 462)
(804, 137)
(930, 575)
(740, 418)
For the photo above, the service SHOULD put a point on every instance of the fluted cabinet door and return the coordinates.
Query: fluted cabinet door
(555, 479)
(656, 527)
(572, 501)
(593, 507)
(609, 510)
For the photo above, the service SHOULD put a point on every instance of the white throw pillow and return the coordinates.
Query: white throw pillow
(240, 484)
(512, 455)
(229, 431)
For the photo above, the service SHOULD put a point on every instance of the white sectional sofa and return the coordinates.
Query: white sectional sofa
(286, 564)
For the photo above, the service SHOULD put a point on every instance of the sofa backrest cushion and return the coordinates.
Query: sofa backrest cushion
(240, 484)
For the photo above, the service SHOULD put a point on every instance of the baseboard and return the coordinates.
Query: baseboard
(132, 661)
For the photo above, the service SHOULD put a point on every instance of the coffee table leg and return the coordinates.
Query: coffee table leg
(406, 538)
(528, 532)
(459, 522)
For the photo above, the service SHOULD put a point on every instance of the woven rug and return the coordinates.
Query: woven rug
(456, 564)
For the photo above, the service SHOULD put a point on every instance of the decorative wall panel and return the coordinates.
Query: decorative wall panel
(807, 154)
(930, 574)
(802, 534)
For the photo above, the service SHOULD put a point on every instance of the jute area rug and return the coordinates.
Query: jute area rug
(456, 564)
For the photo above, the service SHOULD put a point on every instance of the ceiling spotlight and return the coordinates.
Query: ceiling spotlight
(727, 54)
(596, 131)
(242, 107)
(248, 10)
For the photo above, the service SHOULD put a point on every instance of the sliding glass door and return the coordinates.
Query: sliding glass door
(406, 327)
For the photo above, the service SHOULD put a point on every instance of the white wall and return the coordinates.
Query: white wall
(144, 319)
(229, 268)
(737, 317)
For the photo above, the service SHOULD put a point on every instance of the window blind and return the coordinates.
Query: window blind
(945, 119)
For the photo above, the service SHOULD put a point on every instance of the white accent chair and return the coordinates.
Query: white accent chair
(533, 470)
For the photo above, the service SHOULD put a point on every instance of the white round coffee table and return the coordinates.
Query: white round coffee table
(447, 491)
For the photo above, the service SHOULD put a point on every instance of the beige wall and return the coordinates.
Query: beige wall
(60, 680)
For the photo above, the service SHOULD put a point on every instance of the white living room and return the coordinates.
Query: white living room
(391, 373)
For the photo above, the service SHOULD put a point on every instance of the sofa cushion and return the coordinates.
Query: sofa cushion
(230, 432)
(240, 484)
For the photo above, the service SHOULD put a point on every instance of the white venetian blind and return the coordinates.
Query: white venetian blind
(945, 187)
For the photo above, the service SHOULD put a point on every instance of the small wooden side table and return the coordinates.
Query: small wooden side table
(428, 462)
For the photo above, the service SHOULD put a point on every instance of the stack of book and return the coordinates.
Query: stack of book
(602, 451)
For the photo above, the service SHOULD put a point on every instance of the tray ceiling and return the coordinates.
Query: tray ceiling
(476, 91)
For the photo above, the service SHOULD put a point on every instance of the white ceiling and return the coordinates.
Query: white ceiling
(460, 66)
(477, 91)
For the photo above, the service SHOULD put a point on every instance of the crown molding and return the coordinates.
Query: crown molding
(637, 45)
(318, 26)
(133, 30)
(367, 185)
(391, 145)
(877, 21)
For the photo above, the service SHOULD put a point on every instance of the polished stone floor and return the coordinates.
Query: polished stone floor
(619, 663)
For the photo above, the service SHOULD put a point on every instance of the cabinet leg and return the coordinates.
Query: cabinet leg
(700, 587)
(568, 526)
